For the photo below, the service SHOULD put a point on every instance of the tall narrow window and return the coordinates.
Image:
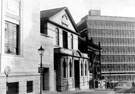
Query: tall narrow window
(72, 41)
(11, 38)
(65, 39)
(82, 69)
(64, 69)
(86, 69)
(57, 36)
(70, 66)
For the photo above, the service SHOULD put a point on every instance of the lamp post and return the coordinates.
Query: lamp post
(7, 71)
(40, 70)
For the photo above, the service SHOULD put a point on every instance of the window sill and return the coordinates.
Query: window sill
(12, 55)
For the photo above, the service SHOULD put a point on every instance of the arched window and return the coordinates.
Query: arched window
(70, 66)
(64, 69)
(57, 36)
(72, 41)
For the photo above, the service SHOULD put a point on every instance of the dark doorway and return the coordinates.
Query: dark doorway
(46, 79)
(76, 73)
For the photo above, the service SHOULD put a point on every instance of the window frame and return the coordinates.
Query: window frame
(12, 38)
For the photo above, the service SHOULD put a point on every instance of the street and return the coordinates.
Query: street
(84, 92)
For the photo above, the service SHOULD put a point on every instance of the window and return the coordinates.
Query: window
(64, 69)
(86, 69)
(29, 86)
(65, 39)
(13, 88)
(11, 38)
(43, 28)
(72, 41)
(81, 69)
(70, 66)
(57, 36)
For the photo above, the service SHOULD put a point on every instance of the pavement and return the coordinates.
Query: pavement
(90, 91)
(126, 91)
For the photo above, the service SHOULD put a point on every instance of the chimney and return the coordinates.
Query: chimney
(94, 13)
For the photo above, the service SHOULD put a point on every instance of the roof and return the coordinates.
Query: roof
(50, 12)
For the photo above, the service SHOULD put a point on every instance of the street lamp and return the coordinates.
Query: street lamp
(40, 70)
(7, 71)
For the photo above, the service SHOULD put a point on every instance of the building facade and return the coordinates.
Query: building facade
(70, 65)
(19, 43)
(93, 50)
(117, 38)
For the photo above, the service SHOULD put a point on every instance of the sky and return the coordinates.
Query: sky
(80, 8)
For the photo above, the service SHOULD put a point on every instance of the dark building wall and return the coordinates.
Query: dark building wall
(87, 45)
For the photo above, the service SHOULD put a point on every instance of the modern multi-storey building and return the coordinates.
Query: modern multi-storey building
(117, 38)
(71, 65)
(20, 39)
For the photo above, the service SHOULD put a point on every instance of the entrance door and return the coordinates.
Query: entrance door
(46, 79)
(76, 73)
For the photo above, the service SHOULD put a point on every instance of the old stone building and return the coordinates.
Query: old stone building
(116, 35)
(20, 39)
(71, 65)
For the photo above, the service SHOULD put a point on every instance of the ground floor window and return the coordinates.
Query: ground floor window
(13, 88)
(64, 69)
(70, 66)
(86, 69)
(81, 68)
(29, 86)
